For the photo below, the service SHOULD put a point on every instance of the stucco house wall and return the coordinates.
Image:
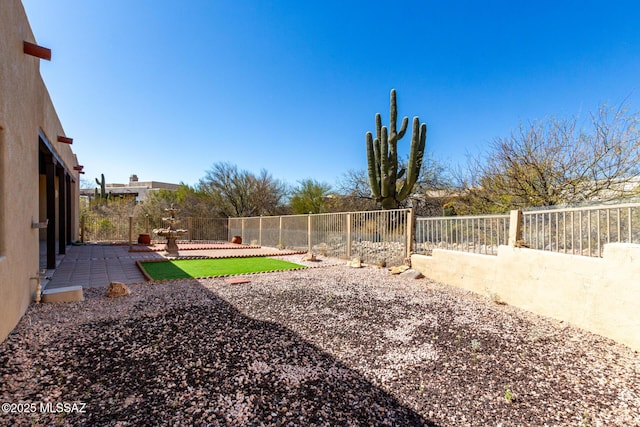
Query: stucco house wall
(27, 115)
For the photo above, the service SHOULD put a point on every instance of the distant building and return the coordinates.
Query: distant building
(135, 189)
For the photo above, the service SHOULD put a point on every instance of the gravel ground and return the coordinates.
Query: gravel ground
(322, 346)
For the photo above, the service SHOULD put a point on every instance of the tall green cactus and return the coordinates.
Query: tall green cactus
(103, 193)
(387, 184)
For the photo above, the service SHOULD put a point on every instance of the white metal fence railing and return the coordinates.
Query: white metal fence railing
(380, 237)
(581, 231)
(387, 237)
(479, 233)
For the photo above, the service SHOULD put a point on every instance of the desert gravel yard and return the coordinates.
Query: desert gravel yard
(322, 346)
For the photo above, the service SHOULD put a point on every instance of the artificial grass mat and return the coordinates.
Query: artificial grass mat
(213, 267)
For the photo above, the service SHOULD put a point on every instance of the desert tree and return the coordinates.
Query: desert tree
(353, 193)
(558, 161)
(241, 193)
(310, 196)
(190, 201)
(434, 189)
(154, 205)
(267, 193)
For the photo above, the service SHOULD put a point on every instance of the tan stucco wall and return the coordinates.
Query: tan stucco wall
(601, 295)
(25, 109)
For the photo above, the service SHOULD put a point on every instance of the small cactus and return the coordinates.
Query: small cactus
(103, 193)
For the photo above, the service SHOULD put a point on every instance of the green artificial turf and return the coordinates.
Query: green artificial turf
(193, 268)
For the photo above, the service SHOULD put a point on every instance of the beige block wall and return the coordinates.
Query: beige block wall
(601, 295)
(25, 109)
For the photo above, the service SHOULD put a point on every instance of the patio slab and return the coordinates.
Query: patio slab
(97, 265)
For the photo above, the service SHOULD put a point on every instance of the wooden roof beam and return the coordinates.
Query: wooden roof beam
(37, 51)
(65, 140)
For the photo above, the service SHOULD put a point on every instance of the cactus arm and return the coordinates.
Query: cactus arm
(384, 164)
(393, 119)
(373, 156)
(393, 143)
(377, 147)
(403, 127)
(393, 167)
(416, 153)
(393, 115)
(376, 154)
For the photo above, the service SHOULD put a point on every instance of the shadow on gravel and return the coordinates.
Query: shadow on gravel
(200, 363)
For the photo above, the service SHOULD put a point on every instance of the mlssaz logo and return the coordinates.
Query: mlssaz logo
(67, 407)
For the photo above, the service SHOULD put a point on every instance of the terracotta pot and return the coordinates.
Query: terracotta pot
(144, 239)
(236, 239)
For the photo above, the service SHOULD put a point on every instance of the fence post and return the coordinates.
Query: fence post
(280, 243)
(260, 232)
(409, 230)
(242, 230)
(349, 235)
(515, 227)
(130, 231)
(309, 231)
(189, 229)
(82, 220)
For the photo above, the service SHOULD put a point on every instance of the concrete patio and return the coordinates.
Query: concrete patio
(97, 265)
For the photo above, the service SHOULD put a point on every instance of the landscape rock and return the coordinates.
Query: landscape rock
(117, 289)
(412, 274)
(399, 269)
(309, 256)
(355, 263)
(169, 352)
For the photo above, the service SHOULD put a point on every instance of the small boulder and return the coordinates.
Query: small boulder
(309, 256)
(381, 263)
(399, 269)
(411, 274)
(117, 289)
(355, 263)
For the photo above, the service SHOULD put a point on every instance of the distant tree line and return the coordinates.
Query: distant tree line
(541, 163)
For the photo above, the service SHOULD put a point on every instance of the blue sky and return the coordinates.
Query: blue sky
(165, 89)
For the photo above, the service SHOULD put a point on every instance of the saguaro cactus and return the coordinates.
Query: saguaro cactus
(388, 185)
(103, 193)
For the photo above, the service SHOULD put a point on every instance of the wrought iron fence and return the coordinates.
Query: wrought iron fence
(388, 236)
(110, 228)
(122, 228)
(381, 237)
(479, 233)
(583, 230)
(578, 231)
